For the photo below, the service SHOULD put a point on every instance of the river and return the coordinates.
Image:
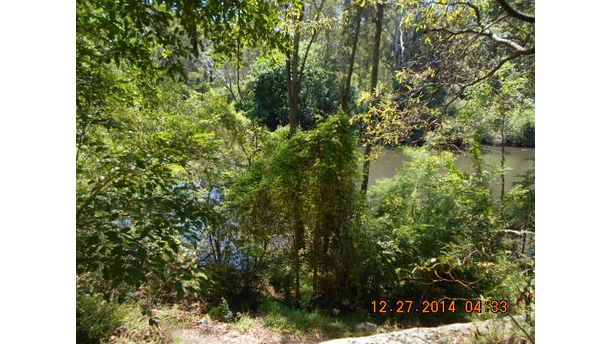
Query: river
(518, 161)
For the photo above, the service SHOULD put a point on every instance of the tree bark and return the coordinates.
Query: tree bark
(315, 259)
(515, 13)
(293, 89)
(503, 161)
(373, 83)
(293, 79)
(349, 74)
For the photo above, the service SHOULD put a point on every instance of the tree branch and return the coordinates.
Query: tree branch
(515, 13)
(472, 6)
(529, 51)
(312, 38)
(485, 33)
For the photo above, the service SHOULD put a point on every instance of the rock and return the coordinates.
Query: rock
(203, 322)
(447, 334)
(366, 327)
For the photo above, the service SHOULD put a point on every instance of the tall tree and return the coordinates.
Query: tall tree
(354, 28)
(380, 8)
(294, 66)
(294, 69)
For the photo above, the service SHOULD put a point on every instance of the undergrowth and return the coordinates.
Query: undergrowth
(100, 321)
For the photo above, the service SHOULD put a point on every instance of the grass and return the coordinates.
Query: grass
(103, 322)
(100, 321)
(299, 322)
(136, 328)
(244, 323)
(505, 332)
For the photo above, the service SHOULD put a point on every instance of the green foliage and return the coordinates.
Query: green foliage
(316, 169)
(433, 203)
(522, 130)
(520, 332)
(145, 143)
(245, 322)
(302, 322)
(440, 231)
(266, 97)
(144, 186)
(142, 32)
(101, 321)
(222, 312)
(97, 319)
(239, 285)
(520, 215)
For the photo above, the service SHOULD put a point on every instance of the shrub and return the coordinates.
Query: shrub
(437, 224)
(97, 319)
(222, 312)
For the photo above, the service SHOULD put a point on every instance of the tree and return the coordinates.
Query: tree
(294, 66)
(135, 206)
(474, 39)
(264, 198)
(294, 72)
(354, 27)
(265, 99)
(380, 7)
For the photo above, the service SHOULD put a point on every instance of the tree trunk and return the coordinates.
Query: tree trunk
(366, 167)
(298, 236)
(238, 57)
(238, 72)
(293, 80)
(373, 82)
(315, 259)
(293, 90)
(349, 74)
(376, 53)
(503, 160)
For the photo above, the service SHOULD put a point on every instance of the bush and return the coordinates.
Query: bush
(96, 319)
(440, 225)
(222, 312)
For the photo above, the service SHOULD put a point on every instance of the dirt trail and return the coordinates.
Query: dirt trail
(222, 333)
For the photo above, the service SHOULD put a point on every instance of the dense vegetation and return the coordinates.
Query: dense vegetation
(223, 151)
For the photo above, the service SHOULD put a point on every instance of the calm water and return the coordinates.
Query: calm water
(518, 160)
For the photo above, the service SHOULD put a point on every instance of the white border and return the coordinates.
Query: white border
(37, 178)
(573, 175)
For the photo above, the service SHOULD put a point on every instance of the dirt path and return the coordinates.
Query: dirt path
(222, 333)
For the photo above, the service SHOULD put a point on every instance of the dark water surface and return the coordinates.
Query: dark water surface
(518, 160)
